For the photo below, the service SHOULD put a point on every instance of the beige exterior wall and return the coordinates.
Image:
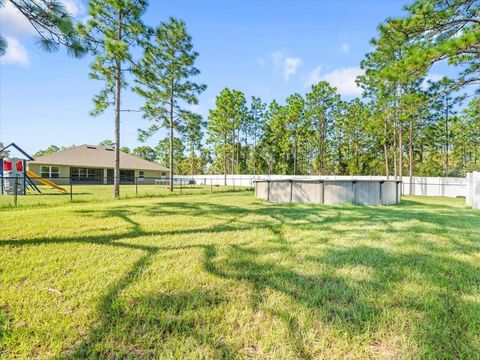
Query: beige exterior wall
(152, 174)
(64, 170)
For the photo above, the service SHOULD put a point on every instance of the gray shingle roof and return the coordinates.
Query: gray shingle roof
(96, 156)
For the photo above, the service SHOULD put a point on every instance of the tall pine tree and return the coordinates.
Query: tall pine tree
(113, 29)
(164, 81)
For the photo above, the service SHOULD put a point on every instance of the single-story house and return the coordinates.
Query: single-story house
(93, 164)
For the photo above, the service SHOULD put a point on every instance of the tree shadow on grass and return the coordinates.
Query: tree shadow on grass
(352, 309)
(138, 328)
(448, 323)
(335, 219)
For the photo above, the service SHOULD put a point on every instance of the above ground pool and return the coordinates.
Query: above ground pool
(329, 192)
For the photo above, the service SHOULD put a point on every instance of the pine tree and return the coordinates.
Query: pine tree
(443, 108)
(466, 138)
(145, 153)
(222, 126)
(113, 29)
(322, 108)
(352, 124)
(125, 149)
(438, 31)
(275, 143)
(192, 134)
(295, 125)
(53, 24)
(107, 143)
(255, 128)
(162, 152)
(50, 150)
(164, 81)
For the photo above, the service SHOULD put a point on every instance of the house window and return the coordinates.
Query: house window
(87, 175)
(52, 172)
(127, 176)
(45, 171)
(163, 174)
(90, 173)
(141, 174)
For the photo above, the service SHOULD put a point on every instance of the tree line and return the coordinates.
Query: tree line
(403, 124)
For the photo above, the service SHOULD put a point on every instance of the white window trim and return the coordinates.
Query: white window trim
(49, 171)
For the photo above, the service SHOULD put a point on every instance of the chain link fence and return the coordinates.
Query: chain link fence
(27, 191)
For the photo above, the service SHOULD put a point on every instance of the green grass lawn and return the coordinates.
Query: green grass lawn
(224, 275)
(89, 193)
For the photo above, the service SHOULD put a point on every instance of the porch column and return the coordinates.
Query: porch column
(105, 180)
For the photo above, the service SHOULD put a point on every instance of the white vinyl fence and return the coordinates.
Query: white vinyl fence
(422, 186)
(473, 190)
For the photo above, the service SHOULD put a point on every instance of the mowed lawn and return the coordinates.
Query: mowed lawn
(88, 193)
(224, 275)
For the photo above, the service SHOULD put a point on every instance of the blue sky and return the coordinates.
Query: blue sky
(265, 48)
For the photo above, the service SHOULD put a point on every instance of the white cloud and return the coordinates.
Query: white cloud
(16, 53)
(343, 79)
(15, 25)
(288, 65)
(74, 7)
(345, 48)
(13, 22)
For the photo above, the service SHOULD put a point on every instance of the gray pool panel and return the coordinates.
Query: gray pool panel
(279, 191)
(368, 192)
(330, 192)
(338, 192)
(307, 192)
(389, 193)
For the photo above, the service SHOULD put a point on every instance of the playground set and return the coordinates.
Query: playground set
(16, 179)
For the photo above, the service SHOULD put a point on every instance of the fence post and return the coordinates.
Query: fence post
(398, 194)
(323, 191)
(71, 189)
(15, 191)
(181, 182)
(355, 191)
(381, 192)
(136, 186)
(268, 190)
(233, 179)
(291, 190)
(211, 184)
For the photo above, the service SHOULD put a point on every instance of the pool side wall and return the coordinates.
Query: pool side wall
(331, 192)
